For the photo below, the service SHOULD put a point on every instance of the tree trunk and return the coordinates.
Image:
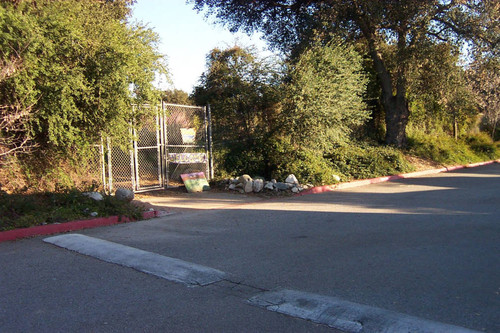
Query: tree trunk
(395, 106)
(396, 119)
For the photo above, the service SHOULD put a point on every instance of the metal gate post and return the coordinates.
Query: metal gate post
(209, 141)
(103, 165)
(165, 140)
(162, 158)
(135, 159)
(158, 146)
(110, 165)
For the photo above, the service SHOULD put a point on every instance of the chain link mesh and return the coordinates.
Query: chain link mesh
(94, 168)
(166, 145)
(186, 141)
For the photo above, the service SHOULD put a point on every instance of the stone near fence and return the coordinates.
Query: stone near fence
(248, 186)
(94, 196)
(291, 179)
(258, 185)
(281, 186)
(244, 179)
(269, 186)
(124, 194)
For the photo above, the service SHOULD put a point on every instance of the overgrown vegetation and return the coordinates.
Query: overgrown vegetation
(448, 151)
(23, 210)
(361, 88)
(69, 72)
(415, 91)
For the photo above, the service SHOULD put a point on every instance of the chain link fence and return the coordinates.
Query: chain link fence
(186, 141)
(172, 140)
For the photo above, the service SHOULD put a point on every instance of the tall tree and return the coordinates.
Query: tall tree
(484, 77)
(325, 89)
(242, 90)
(77, 66)
(439, 94)
(176, 96)
(406, 24)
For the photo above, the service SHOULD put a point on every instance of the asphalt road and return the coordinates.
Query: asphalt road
(426, 247)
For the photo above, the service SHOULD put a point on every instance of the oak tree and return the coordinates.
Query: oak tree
(405, 24)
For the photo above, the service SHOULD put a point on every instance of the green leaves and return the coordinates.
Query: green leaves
(80, 67)
(325, 95)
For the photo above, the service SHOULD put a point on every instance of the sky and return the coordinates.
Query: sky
(186, 38)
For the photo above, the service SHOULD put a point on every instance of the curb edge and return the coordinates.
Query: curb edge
(49, 229)
(363, 182)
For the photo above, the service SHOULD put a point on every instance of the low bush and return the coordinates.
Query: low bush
(362, 160)
(25, 210)
(483, 145)
(446, 150)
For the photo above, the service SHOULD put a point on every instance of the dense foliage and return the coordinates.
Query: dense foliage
(407, 26)
(244, 93)
(22, 211)
(70, 71)
(324, 96)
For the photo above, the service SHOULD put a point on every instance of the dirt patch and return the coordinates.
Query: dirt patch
(421, 164)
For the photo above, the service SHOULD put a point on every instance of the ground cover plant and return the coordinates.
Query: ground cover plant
(21, 210)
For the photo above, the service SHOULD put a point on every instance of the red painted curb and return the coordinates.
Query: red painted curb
(362, 182)
(69, 226)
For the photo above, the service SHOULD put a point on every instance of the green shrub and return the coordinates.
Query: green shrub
(360, 161)
(483, 145)
(446, 150)
(239, 158)
(24, 210)
(308, 165)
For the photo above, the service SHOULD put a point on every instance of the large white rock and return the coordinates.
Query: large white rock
(291, 179)
(248, 186)
(244, 179)
(124, 194)
(258, 185)
(94, 196)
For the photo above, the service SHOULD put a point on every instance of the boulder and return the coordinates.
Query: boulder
(269, 186)
(258, 185)
(124, 194)
(282, 186)
(248, 186)
(295, 189)
(336, 177)
(94, 196)
(232, 187)
(291, 179)
(244, 179)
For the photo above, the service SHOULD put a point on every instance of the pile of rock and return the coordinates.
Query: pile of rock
(245, 184)
(121, 194)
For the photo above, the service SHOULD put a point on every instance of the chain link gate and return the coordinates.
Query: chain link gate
(187, 141)
(176, 140)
